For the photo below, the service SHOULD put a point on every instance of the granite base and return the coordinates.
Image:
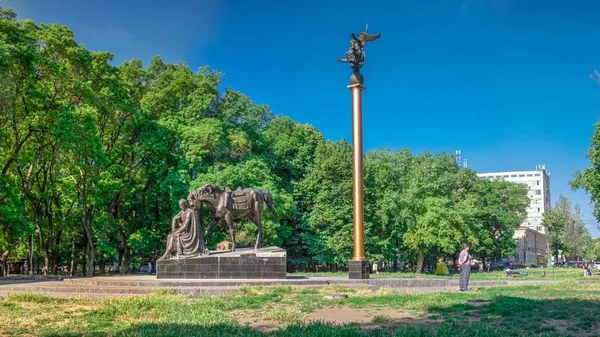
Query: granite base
(358, 270)
(244, 263)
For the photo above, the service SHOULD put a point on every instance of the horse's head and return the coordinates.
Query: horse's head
(209, 193)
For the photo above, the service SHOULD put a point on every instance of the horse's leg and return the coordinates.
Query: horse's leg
(258, 214)
(229, 221)
(209, 229)
(255, 218)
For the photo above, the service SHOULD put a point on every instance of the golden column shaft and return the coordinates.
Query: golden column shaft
(357, 173)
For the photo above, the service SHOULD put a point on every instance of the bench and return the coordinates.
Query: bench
(513, 273)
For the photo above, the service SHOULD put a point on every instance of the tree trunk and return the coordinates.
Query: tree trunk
(31, 255)
(124, 267)
(124, 258)
(48, 259)
(549, 252)
(72, 273)
(90, 251)
(56, 253)
(5, 262)
(84, 258)
(90, 260)
(420, 260)
(46, 262)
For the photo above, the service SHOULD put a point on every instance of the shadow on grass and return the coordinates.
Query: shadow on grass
(308, 330)
(573, 316)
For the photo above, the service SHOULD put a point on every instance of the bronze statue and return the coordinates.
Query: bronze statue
(186, 238)
(355, 56)
(227, 205)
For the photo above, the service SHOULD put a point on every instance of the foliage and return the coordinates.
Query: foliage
(567, 233)
(499, 207)
(96, 156)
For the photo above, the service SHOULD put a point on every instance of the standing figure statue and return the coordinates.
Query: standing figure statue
(186, 238)
(227, 205)
(355, 55)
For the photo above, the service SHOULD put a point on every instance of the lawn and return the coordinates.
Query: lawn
(533, 310)
(533, 274)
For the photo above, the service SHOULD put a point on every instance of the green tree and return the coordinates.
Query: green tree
(435, 220)
(589, 178)
(499, 208)
(327, 188)
(292, 154)
(566, 229)
(387, 175)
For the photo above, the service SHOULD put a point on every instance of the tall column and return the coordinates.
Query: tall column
(356, 57)
(357, 173)
(358, 266)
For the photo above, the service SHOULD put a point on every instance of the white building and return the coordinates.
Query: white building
(538, 184)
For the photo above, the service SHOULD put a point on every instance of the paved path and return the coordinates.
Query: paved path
(135, 285)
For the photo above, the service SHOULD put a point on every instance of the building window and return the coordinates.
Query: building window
(513, 176)
(537, 183)
(538, 192)
(521, 175)
(530, 175)
(539, 228)
(538, 209)
(536, 175)
(498, 176)
(506, 176)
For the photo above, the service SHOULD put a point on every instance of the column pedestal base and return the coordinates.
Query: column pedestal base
(358, 269)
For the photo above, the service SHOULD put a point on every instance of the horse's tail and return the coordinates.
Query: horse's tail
(269, 200)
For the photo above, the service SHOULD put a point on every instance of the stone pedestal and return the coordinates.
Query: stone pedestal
(244, 263)
(358, 269)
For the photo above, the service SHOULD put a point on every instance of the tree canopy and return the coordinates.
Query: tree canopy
(95, 156)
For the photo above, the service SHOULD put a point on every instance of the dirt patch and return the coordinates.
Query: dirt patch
(255, 321)
(559, 325)
(370, 318)
(564, 326)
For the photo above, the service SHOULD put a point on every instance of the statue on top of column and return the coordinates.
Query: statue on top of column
(355, 55)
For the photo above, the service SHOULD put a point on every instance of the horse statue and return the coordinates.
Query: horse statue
(227, 205)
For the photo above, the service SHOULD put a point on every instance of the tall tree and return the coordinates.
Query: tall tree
(566, 229)
(327, 188)
(589, 178)
(433, 221)
(499, 208)
(387, 176)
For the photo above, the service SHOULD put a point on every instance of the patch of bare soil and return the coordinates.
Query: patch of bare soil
(563, 326)
(366, 317)
(255, 321)
(559, 325)
(340, 315)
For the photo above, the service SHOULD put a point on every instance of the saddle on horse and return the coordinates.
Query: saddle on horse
(240, 199)
(236, 200)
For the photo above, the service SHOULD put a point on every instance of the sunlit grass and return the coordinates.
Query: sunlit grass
(514, 311)
(533, 274)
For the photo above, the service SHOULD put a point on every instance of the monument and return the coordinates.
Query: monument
(186, 255)
(356, 58)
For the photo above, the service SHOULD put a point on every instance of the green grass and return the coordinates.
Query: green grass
(514, 311)
(534, 274)
(381, 319)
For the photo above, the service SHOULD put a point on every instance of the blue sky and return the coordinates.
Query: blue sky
(507, 82)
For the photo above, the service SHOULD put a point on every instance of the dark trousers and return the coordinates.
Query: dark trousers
(465, 273)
